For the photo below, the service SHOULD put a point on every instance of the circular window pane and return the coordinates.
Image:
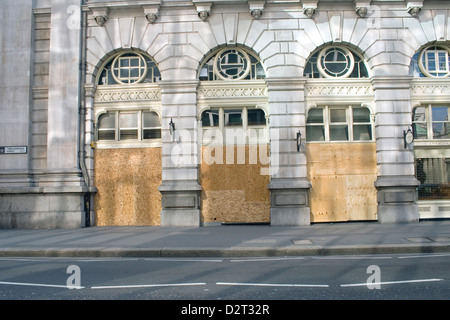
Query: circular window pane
(232, 64)
(335, 62)
(434, 61)
(128, 68)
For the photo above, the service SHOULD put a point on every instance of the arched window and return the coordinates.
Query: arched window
(232, 64)
(335, 62)
(128, 68)
(433, 61)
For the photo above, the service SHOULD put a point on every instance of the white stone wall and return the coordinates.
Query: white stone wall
(283, 37)
(40, 90)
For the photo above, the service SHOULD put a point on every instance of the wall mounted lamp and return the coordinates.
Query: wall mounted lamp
(299, 140)
(171, 127)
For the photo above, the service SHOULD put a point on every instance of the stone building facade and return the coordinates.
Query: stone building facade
(203, 112)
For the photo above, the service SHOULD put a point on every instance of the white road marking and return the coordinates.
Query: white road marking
(388, 282)
(150, 285)
(271, 284)
(266, 259)
(425, 256)
(37, 285)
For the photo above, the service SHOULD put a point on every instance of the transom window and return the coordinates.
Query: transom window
(234, 125)
(335, 62)
(129, 125)
(339, 123)
(232, 64)
(431, 122)
(128, 68)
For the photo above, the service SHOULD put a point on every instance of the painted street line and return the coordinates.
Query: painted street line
(388, 282)
(150, 285)
(267, 259)
(271, 284)
(38, 285)
(425, 256)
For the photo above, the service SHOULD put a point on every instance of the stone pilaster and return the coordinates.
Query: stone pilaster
(180, 189)
(289, 185)
(396, 183)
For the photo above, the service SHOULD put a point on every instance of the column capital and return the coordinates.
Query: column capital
(286, 83)
(400, 82)
(187, 86)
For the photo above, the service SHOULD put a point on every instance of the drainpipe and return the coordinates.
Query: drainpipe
(82, 116)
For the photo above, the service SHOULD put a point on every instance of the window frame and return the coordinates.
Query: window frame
(221, 128)
(429, 122)
(349, 123)
(106, 75)
(140, 141)
(423, 57)
(209, 69)
(314, 70)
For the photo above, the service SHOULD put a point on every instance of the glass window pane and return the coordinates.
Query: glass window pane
(107, 121)
(420, 130)
(338, 115)
(210, 118)
(233, 117)
(152, 134)
(433, 174)
(256, 117)
(106, 135)
(439, 113)
(339, 133)
(128, 120)
(151, 120)
(361, 115)
(315, 133)
(441, 130)
(419, 114)
(362, 132)
(128, 134)
(431, 63)
(315, 116)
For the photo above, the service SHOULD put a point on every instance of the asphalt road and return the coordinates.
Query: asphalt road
(261, 280)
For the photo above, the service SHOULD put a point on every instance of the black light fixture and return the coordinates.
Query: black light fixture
(299, 140)
(171, 127)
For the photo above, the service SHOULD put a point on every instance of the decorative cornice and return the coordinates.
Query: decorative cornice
(123, 94)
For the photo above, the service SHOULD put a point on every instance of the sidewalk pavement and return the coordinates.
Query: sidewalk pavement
(229, 240)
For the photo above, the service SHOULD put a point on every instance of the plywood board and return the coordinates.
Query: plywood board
(342, 176)
(234, 192)
(127, 181)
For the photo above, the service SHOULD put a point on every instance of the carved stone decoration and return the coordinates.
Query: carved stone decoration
(256, 8)
(309, 12)
(414, 7)
(100, 16)
(361, 11)
(204, 15)
(309, 8)
(151, 17)
(203, 9)
(256, 13)
(151, 12)
(362, 7)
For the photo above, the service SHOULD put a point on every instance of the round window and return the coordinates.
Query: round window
(128, 68)
(232, 64)
(434, 61)
(335, 62)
